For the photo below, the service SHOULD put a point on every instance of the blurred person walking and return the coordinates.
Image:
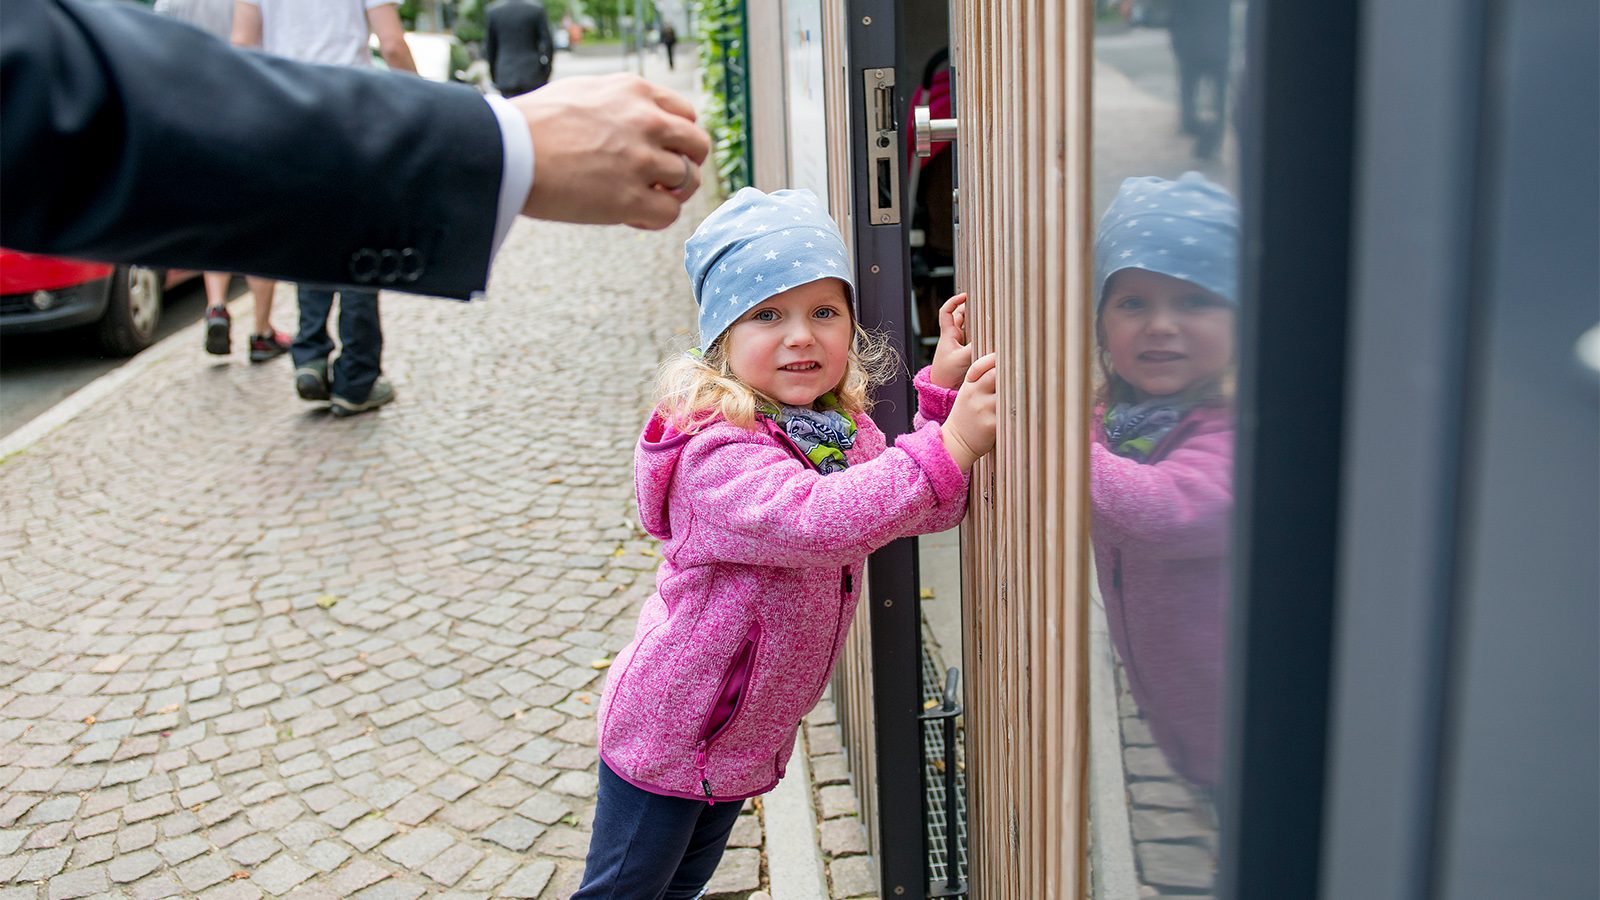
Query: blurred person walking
(518, 45)
(332, 32)
(669, 39)
(215, 17)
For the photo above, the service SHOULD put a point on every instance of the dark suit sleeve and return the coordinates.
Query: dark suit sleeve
(546, 43)
(130, 138)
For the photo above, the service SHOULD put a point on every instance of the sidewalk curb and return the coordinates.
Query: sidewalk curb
(1111, 836)
(87, 396)
(789, 834)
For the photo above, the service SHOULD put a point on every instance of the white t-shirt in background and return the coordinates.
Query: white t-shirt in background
(318, 31)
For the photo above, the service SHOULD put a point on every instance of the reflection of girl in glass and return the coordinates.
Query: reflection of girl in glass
(1161, 461)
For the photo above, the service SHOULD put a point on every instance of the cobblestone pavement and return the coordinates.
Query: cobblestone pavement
(248, 649)
(1174, 827)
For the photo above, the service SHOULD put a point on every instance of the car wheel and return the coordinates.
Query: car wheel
(132, 311)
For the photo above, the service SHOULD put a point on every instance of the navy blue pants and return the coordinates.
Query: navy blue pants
(649, 847)
(360, 336)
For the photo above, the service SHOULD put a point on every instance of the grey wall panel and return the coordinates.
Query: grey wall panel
(1520, 815)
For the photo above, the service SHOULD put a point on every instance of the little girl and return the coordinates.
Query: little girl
(1161, 461)
(768, 484)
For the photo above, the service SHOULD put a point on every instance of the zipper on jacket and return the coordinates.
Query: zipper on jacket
(744, 658)
(849, 586)
(700, 763)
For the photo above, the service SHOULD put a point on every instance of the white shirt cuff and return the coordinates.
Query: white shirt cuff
(516, 175)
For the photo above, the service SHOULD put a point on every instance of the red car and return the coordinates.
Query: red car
(45, 293)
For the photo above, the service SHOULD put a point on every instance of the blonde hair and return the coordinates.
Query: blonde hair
(695, 390)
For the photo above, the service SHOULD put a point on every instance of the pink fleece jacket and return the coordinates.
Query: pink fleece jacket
(762, 561)
(1160, 533)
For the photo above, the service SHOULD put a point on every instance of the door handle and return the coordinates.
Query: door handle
(930, 131)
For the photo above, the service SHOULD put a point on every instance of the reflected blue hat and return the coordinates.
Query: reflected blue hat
(1187, 229)
(756, 245)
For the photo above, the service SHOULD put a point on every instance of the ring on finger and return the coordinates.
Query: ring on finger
(688, 175)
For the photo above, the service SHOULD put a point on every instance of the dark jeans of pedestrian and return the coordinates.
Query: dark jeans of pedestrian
(360, 359)
(669, 56)
(648, 847)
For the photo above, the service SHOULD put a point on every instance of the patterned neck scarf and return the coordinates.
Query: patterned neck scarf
(821, 434)
(1134, 430)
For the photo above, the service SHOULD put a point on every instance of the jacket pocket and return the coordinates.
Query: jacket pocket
(727, 701)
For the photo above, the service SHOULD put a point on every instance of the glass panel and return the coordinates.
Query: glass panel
(1166, 293)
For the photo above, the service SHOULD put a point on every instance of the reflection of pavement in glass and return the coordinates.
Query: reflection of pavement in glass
(1174, 825)
(1136, 133)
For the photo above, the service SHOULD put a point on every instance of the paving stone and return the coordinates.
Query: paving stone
(1174, 865)
(92, 851)
(513, 833)
(56, 809)
(414, 809)
(253, 850)
(746, 831)
(133, 866)
(201, 873)
(836, 800)
(391, 890)
(79, 883)
(180, 823)
(450, 866)
(182, 849)
(1167, 825)
(843, 837)
(156, 887)
(231, 890)
(136, 837)
(529, 880)
(576, 784)
(355, 875)
(368, 833)
(1165, 794)
(327, 855)
(416, 849)
(853, 876)
(739, 871)
(281, 874)
(544, 808)
(276, 814)
(44, 863)
(49, 836)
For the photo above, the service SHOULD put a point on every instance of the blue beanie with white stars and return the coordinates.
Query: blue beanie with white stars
(1188, 229)
(756, 245)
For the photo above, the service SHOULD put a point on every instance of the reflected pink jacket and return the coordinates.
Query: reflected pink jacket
(1161, 556)
(762, 559)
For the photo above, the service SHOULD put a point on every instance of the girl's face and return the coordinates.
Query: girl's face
(1165, 335)
(794, 346)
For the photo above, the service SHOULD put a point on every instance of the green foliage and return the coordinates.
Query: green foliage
(469, 21)
(721, 35)
(608, 14)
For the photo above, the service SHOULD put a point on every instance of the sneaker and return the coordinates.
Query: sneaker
(218, 323)
(382, 392)
(311, 380)
(268, 346)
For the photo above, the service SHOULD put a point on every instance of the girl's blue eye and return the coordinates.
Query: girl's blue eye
(1130, 303)
(765, 315)
(826, 312)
